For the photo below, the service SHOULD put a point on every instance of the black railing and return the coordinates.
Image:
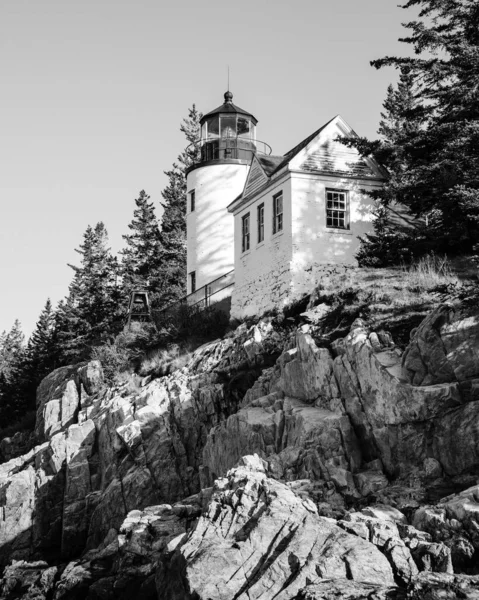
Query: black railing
(235, 148)
(217, 292)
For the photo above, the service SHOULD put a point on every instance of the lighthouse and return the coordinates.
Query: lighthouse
(228, 143)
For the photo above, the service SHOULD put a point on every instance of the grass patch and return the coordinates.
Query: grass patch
(396, 299)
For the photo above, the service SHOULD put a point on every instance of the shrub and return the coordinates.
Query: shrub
(114, 359)
(160, 362)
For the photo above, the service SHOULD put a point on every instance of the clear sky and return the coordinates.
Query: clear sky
(93, 93)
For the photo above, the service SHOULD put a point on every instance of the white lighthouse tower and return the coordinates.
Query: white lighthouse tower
(228, 142)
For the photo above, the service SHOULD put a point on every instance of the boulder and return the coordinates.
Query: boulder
(444, 348)
(30, 581)
(443, 586)
(344, 589)
(258, 539)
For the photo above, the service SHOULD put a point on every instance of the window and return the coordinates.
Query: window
(260, 223)
(228, 126)
(278, 212)
(243, 127)
(337, 209)
(192, 195)
(245, 233)
(193, 281)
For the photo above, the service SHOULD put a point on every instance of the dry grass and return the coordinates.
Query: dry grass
(429, 272)
(163, 362)
(129, 382)
(396, 299)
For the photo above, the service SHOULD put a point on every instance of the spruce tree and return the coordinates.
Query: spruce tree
(439, 177)
(142, 255)
(12, 356)
(92, 311)
(389, 243)
(173, 223)
(42, 353)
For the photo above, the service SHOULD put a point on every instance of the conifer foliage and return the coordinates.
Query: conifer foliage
(92, 312)
(430, 130)
(12, 357)
(143, 252)
(173, 223)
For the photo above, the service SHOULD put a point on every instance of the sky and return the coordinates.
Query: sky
(94, 92)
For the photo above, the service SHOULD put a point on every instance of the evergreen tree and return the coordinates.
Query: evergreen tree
(389, 243)
(12, 355)
(142, 256)
(173, 224)
(433, 162)
(42, 353)
(12, 346)
(92, 311)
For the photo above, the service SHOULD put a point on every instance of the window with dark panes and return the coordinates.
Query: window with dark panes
(244, 129)
(193, 281)
(213, 127)
(260, 223)
(245, 233)
(192, 200)
(278, 212)
(337, 209)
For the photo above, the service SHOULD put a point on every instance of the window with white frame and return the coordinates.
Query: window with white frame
(278, 212)
(192, 196)
(260, 215)
(337, 209)
(245, 229)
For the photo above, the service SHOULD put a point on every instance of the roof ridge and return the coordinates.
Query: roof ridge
(296, 149)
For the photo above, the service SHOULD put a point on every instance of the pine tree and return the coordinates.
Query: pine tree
(173, 223)
(92, 311)
(439, 159)
(142, 255)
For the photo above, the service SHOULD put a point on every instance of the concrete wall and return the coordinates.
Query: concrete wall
(210, 227)
(262, 274)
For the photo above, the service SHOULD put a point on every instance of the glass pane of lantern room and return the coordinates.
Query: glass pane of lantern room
(244, 130)
(228, 127)
(203, 131)
(213, 127)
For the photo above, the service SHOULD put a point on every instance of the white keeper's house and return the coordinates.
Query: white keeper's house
(260, 227)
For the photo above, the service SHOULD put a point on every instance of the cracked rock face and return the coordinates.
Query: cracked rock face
(343, 454)
(261, 540)
(108, 452)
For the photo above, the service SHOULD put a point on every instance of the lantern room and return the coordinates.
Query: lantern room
(228, 134)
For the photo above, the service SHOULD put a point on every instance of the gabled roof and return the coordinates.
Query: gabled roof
(326, 157)
(297, 149)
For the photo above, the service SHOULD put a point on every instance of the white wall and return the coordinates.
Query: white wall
(210, 244)
(313, 242)
(288, 265)
(262, 274)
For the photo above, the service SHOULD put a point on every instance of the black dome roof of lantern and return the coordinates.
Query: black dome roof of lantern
(228, 107)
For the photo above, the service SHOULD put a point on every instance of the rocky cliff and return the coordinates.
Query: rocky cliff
(269, 467)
